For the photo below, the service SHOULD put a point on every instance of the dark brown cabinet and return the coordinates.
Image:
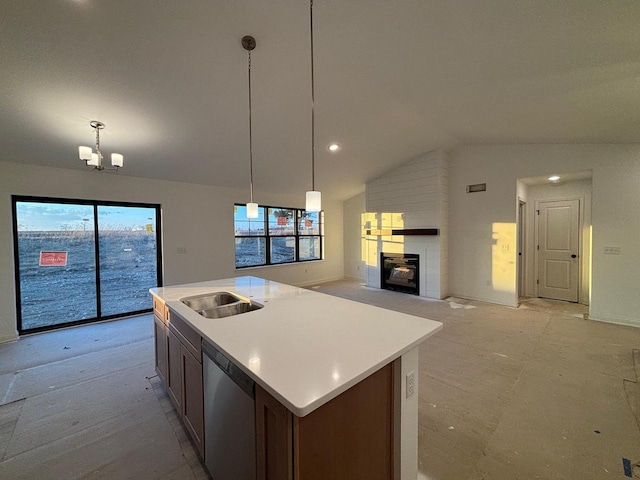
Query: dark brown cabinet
(178, 362)
(193, 397)
(351, 436)
(174, 377)
(273, 423)
(161, 348)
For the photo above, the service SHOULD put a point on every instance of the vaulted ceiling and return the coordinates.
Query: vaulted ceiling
(393, 78)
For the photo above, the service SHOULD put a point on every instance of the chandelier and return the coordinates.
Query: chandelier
(94, 159)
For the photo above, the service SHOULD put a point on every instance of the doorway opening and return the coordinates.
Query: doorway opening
(81, 261)
(554, 224)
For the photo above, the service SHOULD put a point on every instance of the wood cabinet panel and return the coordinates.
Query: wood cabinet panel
(159, 308)
(160, 348)
(351, 436)
(174, 371)
(187, 335)
(193, 398)
(273, 438)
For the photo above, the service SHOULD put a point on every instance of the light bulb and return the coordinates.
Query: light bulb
(85, 153)
(117, 160)
(252, 210)
(314, 201)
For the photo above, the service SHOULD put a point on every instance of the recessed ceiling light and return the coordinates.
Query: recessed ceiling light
(334, 147)
(554, 178)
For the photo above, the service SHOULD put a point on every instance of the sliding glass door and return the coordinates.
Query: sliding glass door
(80, 261)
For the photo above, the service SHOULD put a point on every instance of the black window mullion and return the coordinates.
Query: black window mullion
(267, 238)
(96, 241)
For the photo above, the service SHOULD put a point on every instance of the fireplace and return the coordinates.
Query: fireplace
(400, 272)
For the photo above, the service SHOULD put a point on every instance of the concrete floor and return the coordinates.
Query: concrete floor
(533, 392)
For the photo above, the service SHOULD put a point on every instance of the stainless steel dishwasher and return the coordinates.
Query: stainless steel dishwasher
(229, 417)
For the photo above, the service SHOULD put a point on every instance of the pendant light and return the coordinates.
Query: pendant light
(314, 198)
(249, 43)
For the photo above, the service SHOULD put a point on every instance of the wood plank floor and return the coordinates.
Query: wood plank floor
(505, 393)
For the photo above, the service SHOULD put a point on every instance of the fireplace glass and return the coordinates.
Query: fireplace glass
(400, 272)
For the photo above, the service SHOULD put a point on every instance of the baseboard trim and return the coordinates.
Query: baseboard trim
(8, 338)
(319, 281)
(630, 322)
(356, 279)
(484, 300)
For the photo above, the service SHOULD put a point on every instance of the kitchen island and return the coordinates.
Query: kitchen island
(336, 380)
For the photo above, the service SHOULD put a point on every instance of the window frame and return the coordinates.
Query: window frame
(298, 215)
(95, 204)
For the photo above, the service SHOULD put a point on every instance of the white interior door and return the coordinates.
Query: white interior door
(558, 249)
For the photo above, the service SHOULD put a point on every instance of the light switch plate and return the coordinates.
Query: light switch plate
(612, 250)
(411, 383)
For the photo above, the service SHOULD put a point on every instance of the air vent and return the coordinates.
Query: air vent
(478, 187)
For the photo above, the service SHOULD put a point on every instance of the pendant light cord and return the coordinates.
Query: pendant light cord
(313, 106)
(250, 134)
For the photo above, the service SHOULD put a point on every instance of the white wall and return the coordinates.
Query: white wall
(354, 260)
(479, 265)
(196, 217)
(413, 195)
(571, 190)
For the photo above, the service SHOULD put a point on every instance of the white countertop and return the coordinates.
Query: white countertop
(304, 347)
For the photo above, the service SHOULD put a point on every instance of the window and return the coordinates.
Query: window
(78, 261)
(279, 235)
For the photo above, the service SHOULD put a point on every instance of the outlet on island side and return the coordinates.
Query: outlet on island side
(411, 383)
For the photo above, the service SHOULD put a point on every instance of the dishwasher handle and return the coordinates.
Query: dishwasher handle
(244, 381)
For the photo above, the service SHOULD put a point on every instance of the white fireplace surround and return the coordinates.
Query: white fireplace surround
(414, 195)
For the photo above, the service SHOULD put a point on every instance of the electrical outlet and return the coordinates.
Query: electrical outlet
(411, 384)
(181, 250)
(612, 250)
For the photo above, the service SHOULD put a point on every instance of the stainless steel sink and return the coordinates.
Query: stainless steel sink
(220, 304)
(229, 310)
(210, 300)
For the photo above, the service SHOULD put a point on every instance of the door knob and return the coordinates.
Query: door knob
(574, 256)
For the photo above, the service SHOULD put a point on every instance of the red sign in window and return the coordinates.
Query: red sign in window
(53, 259)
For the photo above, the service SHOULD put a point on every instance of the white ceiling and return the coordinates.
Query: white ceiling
(394, 78)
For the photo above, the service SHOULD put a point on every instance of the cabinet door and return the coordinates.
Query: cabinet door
(351, 436)
(192, 400)
(158, 307)
(160, 336)
(174, 371)
(273, 438)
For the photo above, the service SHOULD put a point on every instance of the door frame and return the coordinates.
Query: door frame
(95, 204)
(536, 267)
(521, 265)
